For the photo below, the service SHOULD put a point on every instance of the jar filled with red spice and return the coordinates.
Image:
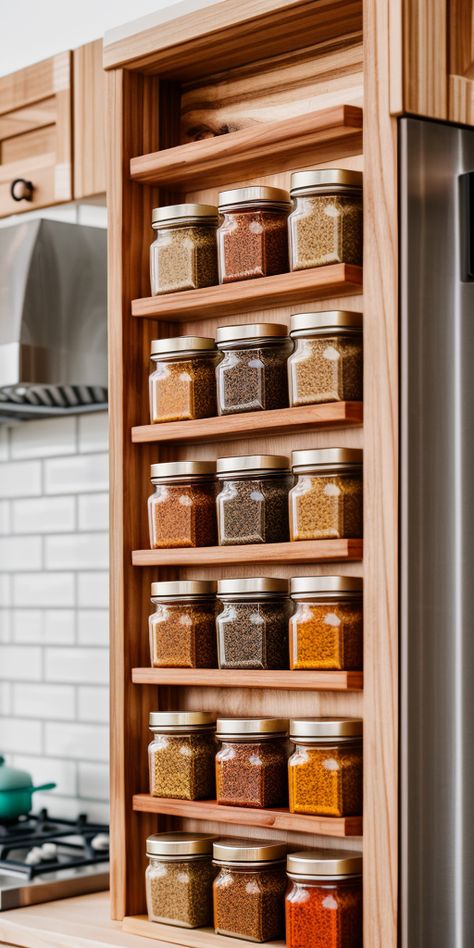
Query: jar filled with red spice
(251, 767)
(325, 769)
(323, 904)
(252, 240)
(182, 510)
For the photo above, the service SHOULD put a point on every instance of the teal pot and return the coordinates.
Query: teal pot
(16, 791)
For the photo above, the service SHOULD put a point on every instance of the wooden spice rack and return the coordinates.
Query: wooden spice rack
(199, 77)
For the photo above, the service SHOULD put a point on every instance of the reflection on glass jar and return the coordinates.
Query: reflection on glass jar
(326, 224)
(326, 501)
(325, 770)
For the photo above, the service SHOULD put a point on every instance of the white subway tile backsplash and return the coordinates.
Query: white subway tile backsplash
(27, 625)
(20, 663)
(77, 665)
(20, 736)
(75, 475)
(23, 553)
(93, 703)
(93, 432)
(93, 627)
(44, 515)
(77, 741)
(20, 479)
(94, 781)
(5, 590)
(43, 438)
(5, 698)
(59, 626)
(44, 589)
(93, 589)
(4, 518)
(4, 450)
(63, 808)
(50, 770)
(77, 551)
(52, 702)
(94, 512)
(6, 621)
(92, 215)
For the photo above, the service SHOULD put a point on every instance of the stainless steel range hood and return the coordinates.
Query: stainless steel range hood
(53, 326)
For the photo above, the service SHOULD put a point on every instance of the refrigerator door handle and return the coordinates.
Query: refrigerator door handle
(466, 183)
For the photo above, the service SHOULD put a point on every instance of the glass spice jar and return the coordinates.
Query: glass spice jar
(182, 385)
(252, 628)
(252, 239)
(181, 755)
(182, 510)
(326, 501)
(327, 624)
(183, 255)
(252, 505)
(326, 224)
(248, 892)
(326, 365)
(252, 376)
(179, 879)
(183, 625)
(323, 904)
(251, 767)
(325, 770)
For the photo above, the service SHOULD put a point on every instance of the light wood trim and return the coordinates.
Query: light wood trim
(252, 424)
(34, 83)
(192, 937)
(280, 819)
(304, 551)
(251, 678)
(261, 149)
(425, 57)
(461, 100)
(285, 289)
(89, 120)
(31, 117)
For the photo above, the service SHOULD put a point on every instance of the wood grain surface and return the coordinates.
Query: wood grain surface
(251, 678)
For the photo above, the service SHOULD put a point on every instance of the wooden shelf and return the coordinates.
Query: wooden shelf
(194, 937)
(261, 149)
(306, 551)
(277, 819)
(228, 299)
(252, 424)
(251, 678)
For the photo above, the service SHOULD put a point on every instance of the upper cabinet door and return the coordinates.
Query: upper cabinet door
(36, 136)
(89, 121)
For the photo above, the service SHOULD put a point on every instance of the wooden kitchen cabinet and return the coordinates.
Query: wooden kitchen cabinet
(89, 121)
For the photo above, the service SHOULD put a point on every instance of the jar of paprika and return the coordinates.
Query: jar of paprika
(323, 904)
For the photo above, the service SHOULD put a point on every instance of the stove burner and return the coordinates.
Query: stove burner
(75, 844)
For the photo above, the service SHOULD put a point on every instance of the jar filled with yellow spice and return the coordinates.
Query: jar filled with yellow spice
(182, 384)
(325, 770)
(326, 626)
(183, 255)
(326, 224)
(326, 501)
(326, 365)
(183, 624)
(181, 754)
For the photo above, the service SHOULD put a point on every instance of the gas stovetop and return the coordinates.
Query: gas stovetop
(42, 858)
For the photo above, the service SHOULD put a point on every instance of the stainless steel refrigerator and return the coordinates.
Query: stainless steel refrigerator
(437, 535)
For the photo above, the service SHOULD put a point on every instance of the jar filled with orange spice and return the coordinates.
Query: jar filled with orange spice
(182, 510)
(323, 904)
(326, 626)
(325, 769)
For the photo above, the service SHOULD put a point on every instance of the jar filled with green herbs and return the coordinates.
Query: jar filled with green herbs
(325, 226)
(183, 255)
(252, 626)
(252, 375)
(249, 890)
(326, 365)
(182, 754)
(183, 624)
(252, 504)
(179, 879)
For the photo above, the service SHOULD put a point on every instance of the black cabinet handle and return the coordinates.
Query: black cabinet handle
(21, 190)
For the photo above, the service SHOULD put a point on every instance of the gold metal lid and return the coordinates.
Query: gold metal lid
(253, 195)
(184, 587)
(302, 461)
(206, 213)
(182, 469)
(180, 344)
(252, 585)
(180, 844)
(302, 181)
(302, 587)
(335, 319)
(252, 331)
(324, 863)
(231, 727)
(252, 463)
(161, 720)
(326, 727)
(235, 849)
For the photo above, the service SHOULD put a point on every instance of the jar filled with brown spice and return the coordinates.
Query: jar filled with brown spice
(182, 755)
(252, 375)
(326, 365)
(182, 385)
(182, 509)
(251, 766)
(326, 501)
(183, 255)
(248, 892)
(182, 627)
(325, 770)
(252, 239)
(326, 626)
(325, 226)
(324, 899)
(179, 879)
(252, 504)
(252, 626)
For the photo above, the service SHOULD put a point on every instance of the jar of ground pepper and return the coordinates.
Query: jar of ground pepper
(251, 766)
(326, 224)
(182, 510)
(183, 384)
(252, 239)
(252, 505)
(182, 754)
(183, 255)
(252, 626)
(323, 904)
(249, 890)
(179, 879)
(326, 365)
(252, 376)
(325, 769)
(327, 625)
(182, 627)
(326, 501)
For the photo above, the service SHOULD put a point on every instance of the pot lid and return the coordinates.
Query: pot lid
(13, 779)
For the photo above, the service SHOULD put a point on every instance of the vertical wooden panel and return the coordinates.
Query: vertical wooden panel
(425, 53)
(89, 120)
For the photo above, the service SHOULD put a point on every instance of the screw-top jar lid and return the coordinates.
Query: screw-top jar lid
(164, 720)
(179, 213)
(184, 587)
(326, 727)
(235, 849)
(250, 727)
(324, 864)
(252, 464)
(335, 320)
(182, 469)
(180, 844)
(229, 334)
(325, 459)
(253, 195)
(180, 344)
(252, 586)
(306, 181)
(319, 587)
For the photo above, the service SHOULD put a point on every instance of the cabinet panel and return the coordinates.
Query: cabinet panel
(89, 120)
